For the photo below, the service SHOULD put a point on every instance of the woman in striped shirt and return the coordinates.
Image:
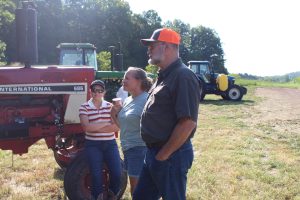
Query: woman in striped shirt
(100, 143)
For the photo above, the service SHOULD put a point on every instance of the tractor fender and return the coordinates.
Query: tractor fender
(222, 82)
(243, 90)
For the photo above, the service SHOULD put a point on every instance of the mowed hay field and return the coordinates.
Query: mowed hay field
(243, 150)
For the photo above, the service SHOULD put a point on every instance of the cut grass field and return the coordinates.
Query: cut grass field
(234, 159)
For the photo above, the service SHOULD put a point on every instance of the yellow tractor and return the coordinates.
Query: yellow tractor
(214, 83)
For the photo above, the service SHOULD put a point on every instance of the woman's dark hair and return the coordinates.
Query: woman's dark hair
(141, 74)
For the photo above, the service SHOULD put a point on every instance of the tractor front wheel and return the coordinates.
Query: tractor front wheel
(234, 93)
(66, 149)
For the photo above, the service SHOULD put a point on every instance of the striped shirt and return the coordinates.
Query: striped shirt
(96, 115)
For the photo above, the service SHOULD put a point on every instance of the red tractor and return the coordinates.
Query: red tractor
(41, 102)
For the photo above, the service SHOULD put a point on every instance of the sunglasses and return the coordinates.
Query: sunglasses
(155, 44)
(98, 91)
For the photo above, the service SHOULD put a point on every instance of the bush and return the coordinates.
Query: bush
(2, 55)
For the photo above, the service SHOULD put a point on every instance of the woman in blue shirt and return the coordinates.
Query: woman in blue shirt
(128, 116)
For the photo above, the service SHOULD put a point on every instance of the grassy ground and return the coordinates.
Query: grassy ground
(233, 160)
(255, 83)
(236, 161)
(31, 176)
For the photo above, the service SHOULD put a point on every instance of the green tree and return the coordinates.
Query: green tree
(206, 45)
(78, 19)
(104, 61)
(2, 55)
(7, 8)
(117, 28)
(152, 18)
(50, 30)
(143, 26)
(7, 16)
(137, 53)
(104, 23)
(151, 69)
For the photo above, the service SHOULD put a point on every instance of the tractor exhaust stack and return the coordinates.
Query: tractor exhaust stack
(26, 32)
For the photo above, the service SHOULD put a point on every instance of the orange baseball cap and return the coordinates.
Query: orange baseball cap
(163, 35)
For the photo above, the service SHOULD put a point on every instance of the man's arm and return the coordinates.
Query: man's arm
(180, 134)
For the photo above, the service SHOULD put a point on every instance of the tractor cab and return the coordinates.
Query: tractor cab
(81, 54)
(202, 69)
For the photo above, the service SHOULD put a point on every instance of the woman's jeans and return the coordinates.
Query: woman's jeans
(98, 153)
(166, 179)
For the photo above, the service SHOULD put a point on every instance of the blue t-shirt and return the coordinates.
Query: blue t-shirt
(129, 118)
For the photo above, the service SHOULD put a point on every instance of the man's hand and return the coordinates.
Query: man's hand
(161, 157)
(180, 134)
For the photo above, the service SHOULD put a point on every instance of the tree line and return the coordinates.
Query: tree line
(104, 23)
(290, 77)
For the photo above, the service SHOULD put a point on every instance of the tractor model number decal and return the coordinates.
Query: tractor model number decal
(79, 88)
(67, 88)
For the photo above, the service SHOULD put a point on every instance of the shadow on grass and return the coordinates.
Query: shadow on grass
(59, 174)
(221, 102)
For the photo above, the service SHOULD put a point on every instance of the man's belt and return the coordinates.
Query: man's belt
(155, 145)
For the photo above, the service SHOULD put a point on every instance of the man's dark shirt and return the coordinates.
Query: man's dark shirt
(175, 95)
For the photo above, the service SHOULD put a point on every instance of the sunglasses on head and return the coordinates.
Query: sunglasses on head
(97, 90)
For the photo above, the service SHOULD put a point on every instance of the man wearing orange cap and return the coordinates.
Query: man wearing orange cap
(168, 121)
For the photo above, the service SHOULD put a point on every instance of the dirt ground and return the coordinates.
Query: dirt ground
(280, 107)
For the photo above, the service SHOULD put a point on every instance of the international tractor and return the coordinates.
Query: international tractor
(41, 102)
(214, 83)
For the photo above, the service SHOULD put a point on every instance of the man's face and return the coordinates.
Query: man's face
(156, 51)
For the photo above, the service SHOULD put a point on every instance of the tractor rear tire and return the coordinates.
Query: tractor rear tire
(234, 93)
(77, 180)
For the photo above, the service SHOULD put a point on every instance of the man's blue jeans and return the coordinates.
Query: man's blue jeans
(166, 179)
(98, 153)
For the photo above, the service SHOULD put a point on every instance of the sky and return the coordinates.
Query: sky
(259, 37)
